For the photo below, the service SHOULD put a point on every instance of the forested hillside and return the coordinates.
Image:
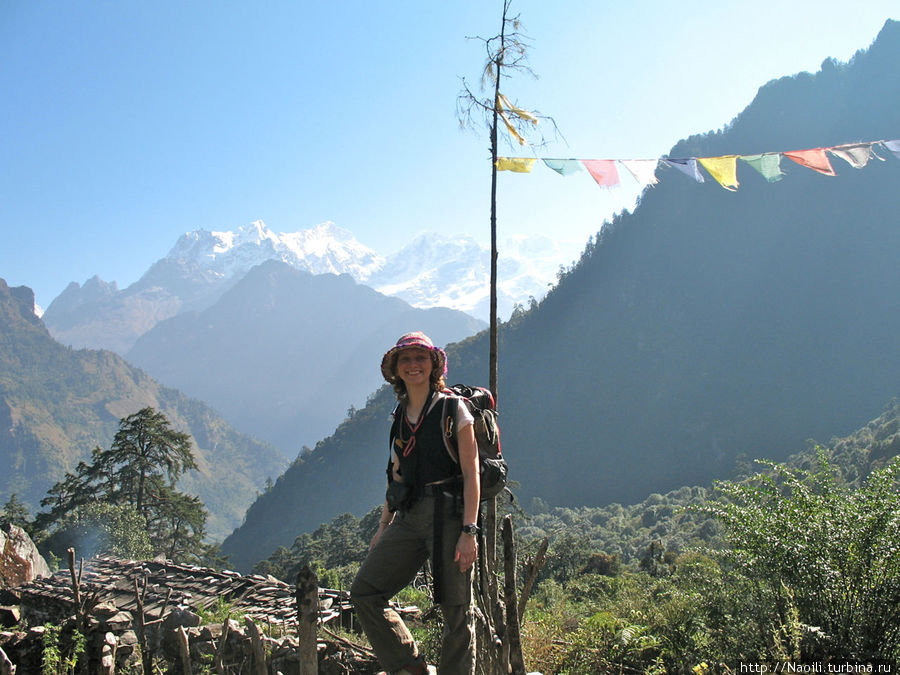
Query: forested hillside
(705, 327)
(57, 404)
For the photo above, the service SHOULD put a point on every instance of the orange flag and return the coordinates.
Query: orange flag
(814, 159)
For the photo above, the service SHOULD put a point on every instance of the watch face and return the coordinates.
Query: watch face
(470, 529)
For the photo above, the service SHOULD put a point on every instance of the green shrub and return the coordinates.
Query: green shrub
(824, 559)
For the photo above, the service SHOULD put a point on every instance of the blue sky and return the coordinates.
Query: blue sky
(125, 124)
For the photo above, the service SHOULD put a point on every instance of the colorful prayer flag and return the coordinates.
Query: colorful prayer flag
(643, 170)
(723, 169)
(768, 164)
(856, 155)
(893, 146)
(563, 167)
(603, 170)
(687, 166)
(814, 159)
(517, 164)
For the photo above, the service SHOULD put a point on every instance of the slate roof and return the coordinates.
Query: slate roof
(265, 599)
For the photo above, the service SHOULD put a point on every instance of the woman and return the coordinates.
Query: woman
(430, 511)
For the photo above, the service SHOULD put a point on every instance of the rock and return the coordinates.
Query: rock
(20, 561)
(9, 616)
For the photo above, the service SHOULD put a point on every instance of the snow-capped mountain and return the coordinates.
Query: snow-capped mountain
(434, 270)
(323, 249)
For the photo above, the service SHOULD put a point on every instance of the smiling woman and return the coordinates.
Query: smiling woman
(430, 512)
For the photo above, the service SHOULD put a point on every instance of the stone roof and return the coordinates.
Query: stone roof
(263, 598)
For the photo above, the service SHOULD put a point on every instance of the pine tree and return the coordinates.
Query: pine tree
(140, 471)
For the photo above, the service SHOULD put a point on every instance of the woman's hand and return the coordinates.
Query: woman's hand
(466, 551)
(377, 535)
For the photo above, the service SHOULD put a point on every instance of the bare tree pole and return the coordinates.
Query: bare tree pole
(506, 55)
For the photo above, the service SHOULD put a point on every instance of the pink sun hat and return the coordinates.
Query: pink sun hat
(406, 341)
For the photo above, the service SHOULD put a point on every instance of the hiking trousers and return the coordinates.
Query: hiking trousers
(392, 564)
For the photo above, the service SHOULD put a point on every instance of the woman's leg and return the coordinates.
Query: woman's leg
(458, 644)
(390, 566)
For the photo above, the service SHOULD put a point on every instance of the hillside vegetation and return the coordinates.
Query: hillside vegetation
(57, 404)
(788, 562)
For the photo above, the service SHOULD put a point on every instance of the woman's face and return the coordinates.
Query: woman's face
(414, 366)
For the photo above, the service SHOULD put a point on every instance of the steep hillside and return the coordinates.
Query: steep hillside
(284, 353)
(705, 327)
(56, 404)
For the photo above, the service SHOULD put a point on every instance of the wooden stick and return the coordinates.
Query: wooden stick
(259, 654)
(348, 643)
(76, 585)
(184, 647)
(140, 624)
(514, 638)
(307, 594)
(531, 572)
(220, 650)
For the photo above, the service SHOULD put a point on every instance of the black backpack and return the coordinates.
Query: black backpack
(480, 403)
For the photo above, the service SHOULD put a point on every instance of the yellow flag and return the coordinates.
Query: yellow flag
(517, 164)
(524, 114)
(723, 169)
(511, 128)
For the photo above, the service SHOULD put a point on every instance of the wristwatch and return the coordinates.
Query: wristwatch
(472, 529)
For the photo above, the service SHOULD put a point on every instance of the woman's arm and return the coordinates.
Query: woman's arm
(387, 516)
(467, 545)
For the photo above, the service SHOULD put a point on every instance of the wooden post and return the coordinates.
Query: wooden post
(220, 650)
(531, 572)
(307, 595)
(140, 625)
(259, 654)
(76, 579)
(184, 648)
(514, 638)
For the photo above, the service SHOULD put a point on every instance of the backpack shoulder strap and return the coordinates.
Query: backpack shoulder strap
(448, 426)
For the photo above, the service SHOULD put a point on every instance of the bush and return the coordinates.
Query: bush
(824, 558)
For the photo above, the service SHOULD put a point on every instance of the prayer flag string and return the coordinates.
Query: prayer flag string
(723, 168)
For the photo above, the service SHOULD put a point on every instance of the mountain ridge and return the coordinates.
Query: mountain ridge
(433, 270)
(283, 353)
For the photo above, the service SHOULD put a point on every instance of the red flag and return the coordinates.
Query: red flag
(814, 159)
(603, 170)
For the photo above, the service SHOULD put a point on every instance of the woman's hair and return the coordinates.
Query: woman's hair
(437, 376)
